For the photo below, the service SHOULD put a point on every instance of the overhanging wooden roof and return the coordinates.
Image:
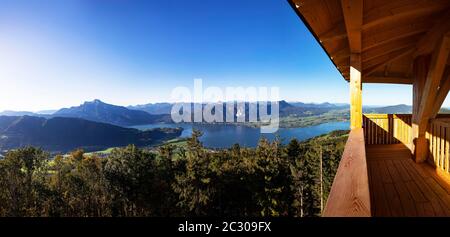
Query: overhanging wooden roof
(392, 33)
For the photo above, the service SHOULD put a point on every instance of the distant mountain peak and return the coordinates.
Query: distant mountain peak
(96, 101)
(99, 111)
(284, 104)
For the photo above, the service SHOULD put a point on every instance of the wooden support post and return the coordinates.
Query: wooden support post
(419, 146)
(355, 91)
(428, 95)
(353, 19)
(444, 88)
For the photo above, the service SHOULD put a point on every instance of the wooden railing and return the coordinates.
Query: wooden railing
(387, 129)
(438, 136)
(349, 195)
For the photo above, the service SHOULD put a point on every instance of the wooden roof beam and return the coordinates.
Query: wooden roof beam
(369, 68)
(436, 70)
(337, 32)
(353, 18)
(342, 61)
(389, 47)
(387, 80)
(341, 54)
(427, 43)
(401, 31)
(301, 3)
(392, 11)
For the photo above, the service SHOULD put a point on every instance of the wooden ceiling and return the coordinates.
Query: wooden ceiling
(393, 34)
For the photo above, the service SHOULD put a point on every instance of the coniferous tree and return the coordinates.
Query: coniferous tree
(270, 180)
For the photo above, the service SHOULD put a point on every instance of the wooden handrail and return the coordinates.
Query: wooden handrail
(385, 116)
(350, 195)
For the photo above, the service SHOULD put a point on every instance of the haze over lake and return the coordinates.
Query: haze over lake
(224, 136)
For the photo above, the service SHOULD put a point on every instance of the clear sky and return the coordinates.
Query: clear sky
(57, 54)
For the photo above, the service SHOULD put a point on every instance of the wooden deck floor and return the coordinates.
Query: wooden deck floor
(400, 187)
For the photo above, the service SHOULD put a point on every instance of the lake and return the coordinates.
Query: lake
(224, 136)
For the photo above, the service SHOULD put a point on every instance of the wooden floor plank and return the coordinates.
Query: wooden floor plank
(407, 188)
(425, 209)
(438, 209)
(401, 170)
(445, 184)
(385, 176)
(440, 192)
(396, 178)
(393, 198)
(381, 207)
(406, 200)
(429, 194)
(420, 171)
(419, 180)
(415, 192)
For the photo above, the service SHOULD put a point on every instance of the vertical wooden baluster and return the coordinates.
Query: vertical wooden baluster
(410, 129)
(380, 125)
(439, 145)
(442, 157)
(386, 133)
(373, 130)
(378, 131)
(435, 130)
(390, 129)
(438, 131)
(429, 139)
(395, 129)
(447, 149)
(365, 129)
(401, 131)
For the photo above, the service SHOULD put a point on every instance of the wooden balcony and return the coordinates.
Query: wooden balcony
(378, 177)
(399, 42)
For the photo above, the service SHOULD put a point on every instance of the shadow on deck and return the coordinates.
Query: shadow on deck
(401, 187)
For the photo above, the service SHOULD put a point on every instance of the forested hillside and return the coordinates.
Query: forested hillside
(187, 180)
(65, 134)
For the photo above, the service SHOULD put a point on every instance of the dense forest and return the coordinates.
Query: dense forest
(269, 180)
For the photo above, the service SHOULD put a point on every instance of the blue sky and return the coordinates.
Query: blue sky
(60, 53)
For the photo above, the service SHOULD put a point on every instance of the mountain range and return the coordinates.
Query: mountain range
(96, 125)
(285, 108)
(99, 111)
(65, 134)
(394, 109)
(156, 108)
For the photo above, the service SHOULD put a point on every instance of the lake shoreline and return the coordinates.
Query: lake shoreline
(219, 136)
